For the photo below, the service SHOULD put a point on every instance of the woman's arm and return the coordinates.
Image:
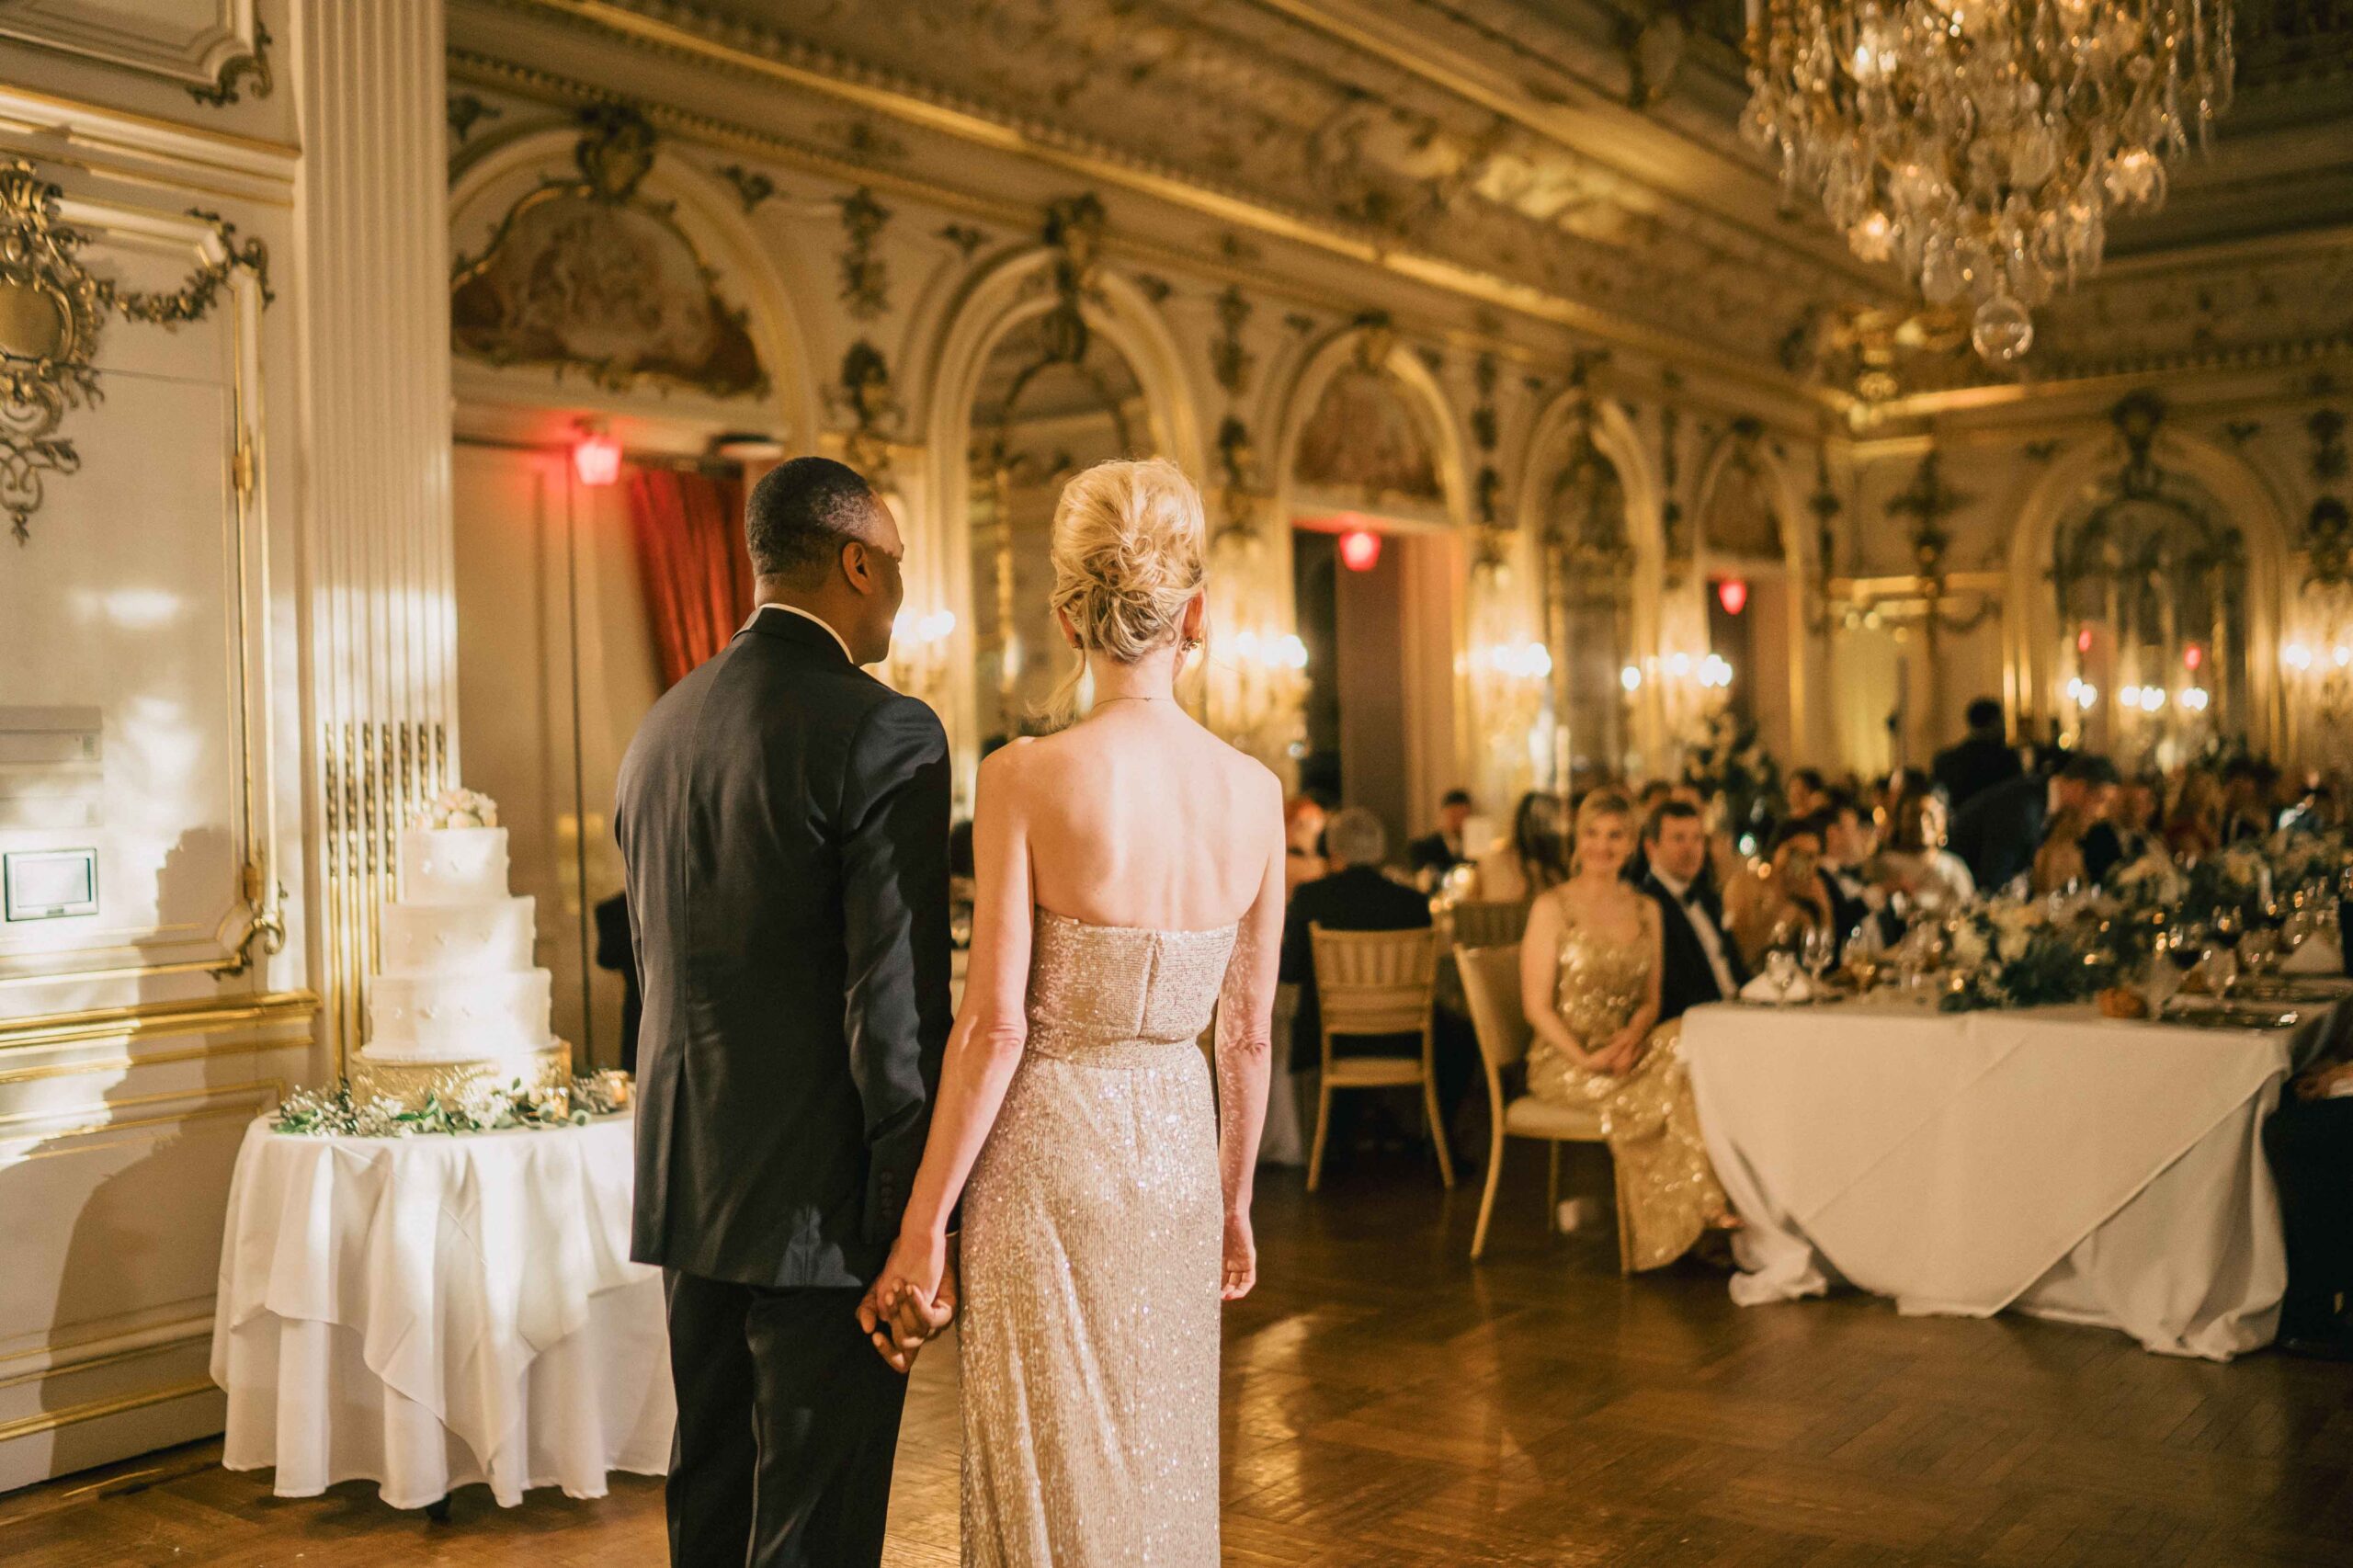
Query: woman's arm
(1246, 1014)
(1540, 975)
(1625, 1047)
(990, 1032)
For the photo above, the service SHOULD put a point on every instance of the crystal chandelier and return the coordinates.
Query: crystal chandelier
(1982, 144)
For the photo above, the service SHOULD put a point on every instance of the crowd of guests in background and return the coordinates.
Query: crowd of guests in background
(1828, 862)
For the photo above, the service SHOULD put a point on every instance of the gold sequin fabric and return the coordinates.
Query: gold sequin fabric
(1093, 1237)
(1668, 1190)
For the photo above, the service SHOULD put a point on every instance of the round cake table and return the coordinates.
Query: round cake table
(430, 1312)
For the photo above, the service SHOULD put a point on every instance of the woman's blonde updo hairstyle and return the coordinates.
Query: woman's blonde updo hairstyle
(1129, 552)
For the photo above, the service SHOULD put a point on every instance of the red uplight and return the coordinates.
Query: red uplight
(2193, 656)
(1360, 550)
(1733, 593)
(597, 459)
(2083, 640)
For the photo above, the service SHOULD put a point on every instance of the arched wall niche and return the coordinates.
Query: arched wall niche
(2090, 468)
(997, 301)
(501, 173)
(1551, 447)
(1742, 464)
(1435, 555)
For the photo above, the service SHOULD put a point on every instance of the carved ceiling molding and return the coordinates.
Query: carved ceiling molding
(589, 274)
(228, 86)
(684, 33)
(53, 309)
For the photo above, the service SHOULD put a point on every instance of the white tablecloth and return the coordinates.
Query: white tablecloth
(428, 1312)
(2050, 1160)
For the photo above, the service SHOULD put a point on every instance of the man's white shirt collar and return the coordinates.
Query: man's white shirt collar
(816, 619)
(1679, 888)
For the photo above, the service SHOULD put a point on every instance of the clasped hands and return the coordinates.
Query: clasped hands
(912, 1301)
(1618, 1055)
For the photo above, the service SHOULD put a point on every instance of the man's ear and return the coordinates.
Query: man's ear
(857, 566)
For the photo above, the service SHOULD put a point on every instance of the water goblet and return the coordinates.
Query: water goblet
(1781, 972)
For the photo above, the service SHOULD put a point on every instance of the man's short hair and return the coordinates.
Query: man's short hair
(1454, 798)
(1809, 777)
(1354, 836)
(1840, 800)
(1796, 828)
(2088, 767)
(1985, 713)
(1665, 811)
(800, 515)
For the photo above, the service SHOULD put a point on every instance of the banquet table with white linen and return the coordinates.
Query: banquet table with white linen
(2049, 1160)
(437, 1310)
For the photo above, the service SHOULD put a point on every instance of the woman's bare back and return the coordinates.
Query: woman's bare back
(1140, 817)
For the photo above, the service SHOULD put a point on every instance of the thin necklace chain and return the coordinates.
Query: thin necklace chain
(1107, 701)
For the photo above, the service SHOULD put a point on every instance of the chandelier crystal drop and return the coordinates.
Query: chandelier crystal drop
(1981, 144)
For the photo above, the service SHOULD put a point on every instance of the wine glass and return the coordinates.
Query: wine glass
(1819, 951)
(1780, 971)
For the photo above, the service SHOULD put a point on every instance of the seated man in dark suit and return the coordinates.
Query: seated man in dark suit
(2309, 1142)
(1441, 851)
(1702, 961)
(1356, 895)
(1845, 845)
(1996, 832)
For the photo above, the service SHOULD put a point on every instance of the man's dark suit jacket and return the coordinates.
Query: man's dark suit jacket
(1432, 852)
(1999, 830)
(1689, 979)
(1357, 899)
(783, 820)
(1975, 766)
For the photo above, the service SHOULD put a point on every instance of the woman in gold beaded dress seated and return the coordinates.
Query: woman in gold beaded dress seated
(1589, 981)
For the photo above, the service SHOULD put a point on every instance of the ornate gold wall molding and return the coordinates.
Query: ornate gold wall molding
(150, 1020)
(50, 1420)
(226, 87)
(52, 311)
(377, 774)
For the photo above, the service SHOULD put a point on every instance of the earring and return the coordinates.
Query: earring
(1191, 645)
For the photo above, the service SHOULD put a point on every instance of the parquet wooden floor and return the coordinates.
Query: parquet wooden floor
(1388, 1403)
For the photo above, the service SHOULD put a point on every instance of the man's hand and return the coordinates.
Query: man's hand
(912, 1300)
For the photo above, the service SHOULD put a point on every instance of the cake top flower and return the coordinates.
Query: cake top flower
(457, 808)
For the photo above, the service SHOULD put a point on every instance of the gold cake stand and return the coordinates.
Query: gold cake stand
(408, 1082)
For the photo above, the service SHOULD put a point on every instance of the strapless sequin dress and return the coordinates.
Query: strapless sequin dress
(1667, 1188)
(1093, 1238)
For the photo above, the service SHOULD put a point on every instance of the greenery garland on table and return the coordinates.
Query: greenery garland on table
(332, 1113)
(2008, 953)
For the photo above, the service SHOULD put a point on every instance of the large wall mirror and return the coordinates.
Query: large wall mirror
(2151, 585)
(1589, 597)
(1052, 401)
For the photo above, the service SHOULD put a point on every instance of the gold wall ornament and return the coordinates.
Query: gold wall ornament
(591, 275)
(872, 401)
(52, 309)
(227, 85)
(1230, 360)
(1075, 229)
(866, 277)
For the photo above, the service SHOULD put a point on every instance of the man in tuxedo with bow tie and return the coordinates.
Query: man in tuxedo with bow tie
(1701, 962)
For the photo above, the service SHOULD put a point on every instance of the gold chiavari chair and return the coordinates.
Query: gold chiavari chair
(1371, 984)
(1490, 985)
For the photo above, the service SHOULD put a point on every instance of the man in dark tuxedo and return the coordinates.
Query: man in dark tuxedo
(1440, 852)
(1996, 832)
(1702, 961)
(2309, 1142)
(783, 822)
(1983, 758)
(1845, 846)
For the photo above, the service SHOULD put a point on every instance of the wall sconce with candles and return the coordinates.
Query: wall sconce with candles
(1253, 690)
(920, 648)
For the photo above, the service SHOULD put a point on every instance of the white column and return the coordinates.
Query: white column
(373, 256)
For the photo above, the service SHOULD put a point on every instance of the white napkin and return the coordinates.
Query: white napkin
(2317, 956)
(1762, 988)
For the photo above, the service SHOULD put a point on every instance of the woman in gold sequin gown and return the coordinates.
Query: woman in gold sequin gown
(1589, 978)
(1105, 1202)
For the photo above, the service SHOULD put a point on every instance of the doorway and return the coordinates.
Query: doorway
(1377, 620)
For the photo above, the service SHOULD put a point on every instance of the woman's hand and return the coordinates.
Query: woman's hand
(1241, 1268)
(911, 1299)
(1624, 1049)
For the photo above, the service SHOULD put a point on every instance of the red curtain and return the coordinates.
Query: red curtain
(690, 552)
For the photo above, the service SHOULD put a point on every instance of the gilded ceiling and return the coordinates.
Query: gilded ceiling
(1587, 148)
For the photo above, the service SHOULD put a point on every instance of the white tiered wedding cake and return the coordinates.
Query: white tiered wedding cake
(458, 1003)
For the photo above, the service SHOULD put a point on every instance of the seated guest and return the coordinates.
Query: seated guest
(1846, 847)
(1996, 832)
(2136, 816)
(1776, 903)
(1981, 759)
(1432, 856)
(1698, 962)
(2246, 808)
(2194, 828)
(1536, 856)
(1805, 792)
(2309, 1142)
(1591, 970)
(1357, 895)
(1303, 820)
(1654, 794)
(2080, 845)
(1913, 859)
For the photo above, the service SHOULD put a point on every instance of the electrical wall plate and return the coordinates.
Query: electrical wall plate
(49, 884)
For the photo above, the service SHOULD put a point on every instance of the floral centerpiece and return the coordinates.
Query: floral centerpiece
(2306, 859)
(331, 1113)
(457, 808)
(2231, 884)
(2017, 953)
